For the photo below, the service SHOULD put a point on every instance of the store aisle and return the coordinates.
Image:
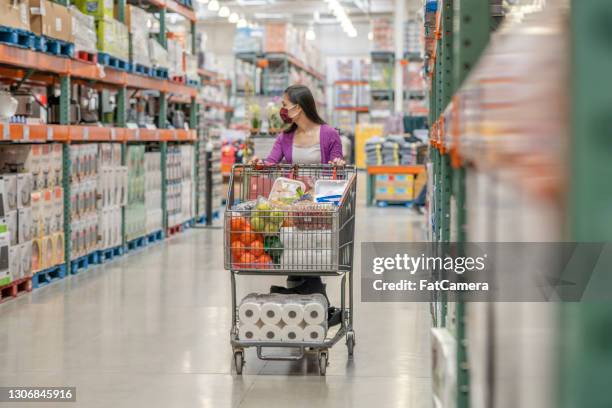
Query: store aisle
(151, 330)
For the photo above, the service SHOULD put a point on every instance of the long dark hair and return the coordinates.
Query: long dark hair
(301, 95)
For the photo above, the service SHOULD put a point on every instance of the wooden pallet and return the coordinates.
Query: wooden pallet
(15, 288)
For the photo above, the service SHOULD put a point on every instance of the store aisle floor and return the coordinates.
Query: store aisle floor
(151, 330)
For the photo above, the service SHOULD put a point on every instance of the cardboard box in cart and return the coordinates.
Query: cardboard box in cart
(15, 14)
(50, 19)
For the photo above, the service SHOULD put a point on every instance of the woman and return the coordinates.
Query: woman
(309, 140)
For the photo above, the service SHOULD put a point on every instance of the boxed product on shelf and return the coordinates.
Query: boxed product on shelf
(279, 37)
(113, 38)
(84, 34)
(5, 275)
(158, 54)
(8, 193)
(15, 14)
(248, 39)
(382, 32)
(180, 187)
(24, 189)
(139, 22)
(191, 65)
(175, 58)
(50, 20)
(135, 214)
(153, 192)
(24, 225)
(100, 9)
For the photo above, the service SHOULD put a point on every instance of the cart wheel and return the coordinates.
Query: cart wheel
(322, 363)
(239, 361)
(350, 342)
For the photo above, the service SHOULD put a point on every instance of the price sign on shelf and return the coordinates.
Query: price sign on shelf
(49, 133)
(113, 134)
(86, 133)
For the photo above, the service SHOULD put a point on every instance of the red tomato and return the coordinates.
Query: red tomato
(257, 248)
(238, 250)
(248, 260)
(239, 224)
(265, 261)
(248, 237)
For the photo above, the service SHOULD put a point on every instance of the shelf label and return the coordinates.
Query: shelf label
(113, 134)
(26, 133)
(49, 133)
(137, 134)
(86, 133)
(175, 134)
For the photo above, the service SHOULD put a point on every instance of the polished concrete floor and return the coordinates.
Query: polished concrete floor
(151, 330)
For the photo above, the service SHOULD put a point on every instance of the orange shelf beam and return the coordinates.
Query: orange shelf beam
(396, 169)
(355, 83)
(353, 108)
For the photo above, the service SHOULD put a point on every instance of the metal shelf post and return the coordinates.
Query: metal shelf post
(164, 166)
(65, 120)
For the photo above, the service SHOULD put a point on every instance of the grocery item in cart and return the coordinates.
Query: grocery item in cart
(307, 215)
(329, 191)
(286, 190)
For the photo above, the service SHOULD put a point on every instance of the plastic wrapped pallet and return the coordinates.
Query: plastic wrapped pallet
(99, 9)
(139, 22)
(113, 38)
(112, 181)
(158, 54)
(191, 66)
(84, 31)
(175, 58)
(248, 39)
(153, 193)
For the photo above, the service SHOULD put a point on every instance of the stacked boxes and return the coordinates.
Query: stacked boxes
(180, 196)
(15, 14)
(50, 19)
(112, 188)
(153, 192)
(135, 214)
(113, 38)
(83, 199)
(139, 22)
(248, 39)
(175, 58)
(99, 9)
(286, 38)
(33, 191)
(158, 54)
(382, 32)
(84, 31)
(394, 187)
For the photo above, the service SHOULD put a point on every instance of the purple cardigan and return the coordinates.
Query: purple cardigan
(331, 147)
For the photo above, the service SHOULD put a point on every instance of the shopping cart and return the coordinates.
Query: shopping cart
(298, 239)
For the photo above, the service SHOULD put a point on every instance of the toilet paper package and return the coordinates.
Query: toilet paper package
(314, 333)
(249, 332)
(24, 224)
(24, 189)
(249, 311)
(294, 238)
(271, 312)
(271, 333)
(291, 333)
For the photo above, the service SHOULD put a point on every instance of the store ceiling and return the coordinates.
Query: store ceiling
(306, 11)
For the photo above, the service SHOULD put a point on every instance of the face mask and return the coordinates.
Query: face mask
(284, 114)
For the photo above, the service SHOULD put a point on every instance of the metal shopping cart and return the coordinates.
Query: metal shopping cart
(298, 239)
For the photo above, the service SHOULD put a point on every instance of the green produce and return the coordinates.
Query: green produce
(277, 217)
(273, 247)
(263, 206)
(258, 224)
(272, 228)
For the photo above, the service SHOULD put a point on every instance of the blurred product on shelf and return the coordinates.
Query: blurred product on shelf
(158, 54)
(112, 194)
(83, 199)
(413, 37)
(395, 150)
(99, 9)
(15, 14)
(175, 58)
(153, 192)
(382, 34)
(84, 34)
(364, 132)
(139, 22)
(249, 39)
(179, 174)
(135, 215)
(50, 20)
(31, 184)
(113, 38)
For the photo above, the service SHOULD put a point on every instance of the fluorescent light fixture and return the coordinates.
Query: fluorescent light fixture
(233, 18)
(224, 12)
(370, 36)
(340, 14)
(241, 23)
(310, 34)
(213, 5)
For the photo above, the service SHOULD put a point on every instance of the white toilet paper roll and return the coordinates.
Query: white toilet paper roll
(249, 312)
(271, 313)
(314, 313)
(249, 332)
(314, 333)
(270, 332)
(293, 314)
(292, 333)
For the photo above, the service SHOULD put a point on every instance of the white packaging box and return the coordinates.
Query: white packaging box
(24, 220)
(47, 213)
(104, 230)
(10, 220)
(37, 204)
(58, 209)
(45, 163)
(56, 160)
(9, 191)
(25, 253)
(116, 226)
(124, 186)
(15, 262)
(4, 256)
(24, 189)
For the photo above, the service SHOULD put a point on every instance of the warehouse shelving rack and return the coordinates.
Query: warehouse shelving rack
(386, 94)
(461, 34)
(24, 65)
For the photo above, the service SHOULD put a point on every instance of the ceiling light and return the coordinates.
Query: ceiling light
(241, 23)
(370, 36)
(233, 18)
(310, 34)
(224, 12)
(213, 5)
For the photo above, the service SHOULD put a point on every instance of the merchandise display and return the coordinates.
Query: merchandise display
(283, 318)
(50, 19)
(84, 31)
(112, 194)
(100, 9)
(158, 54)
(15, 14)
(180, 193)
(153, 192)
(139, 22)
(214, 137)
(135, 212)
(113, 38)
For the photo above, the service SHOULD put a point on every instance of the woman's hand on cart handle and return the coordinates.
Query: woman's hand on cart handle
(256, 162)
(337, 162)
